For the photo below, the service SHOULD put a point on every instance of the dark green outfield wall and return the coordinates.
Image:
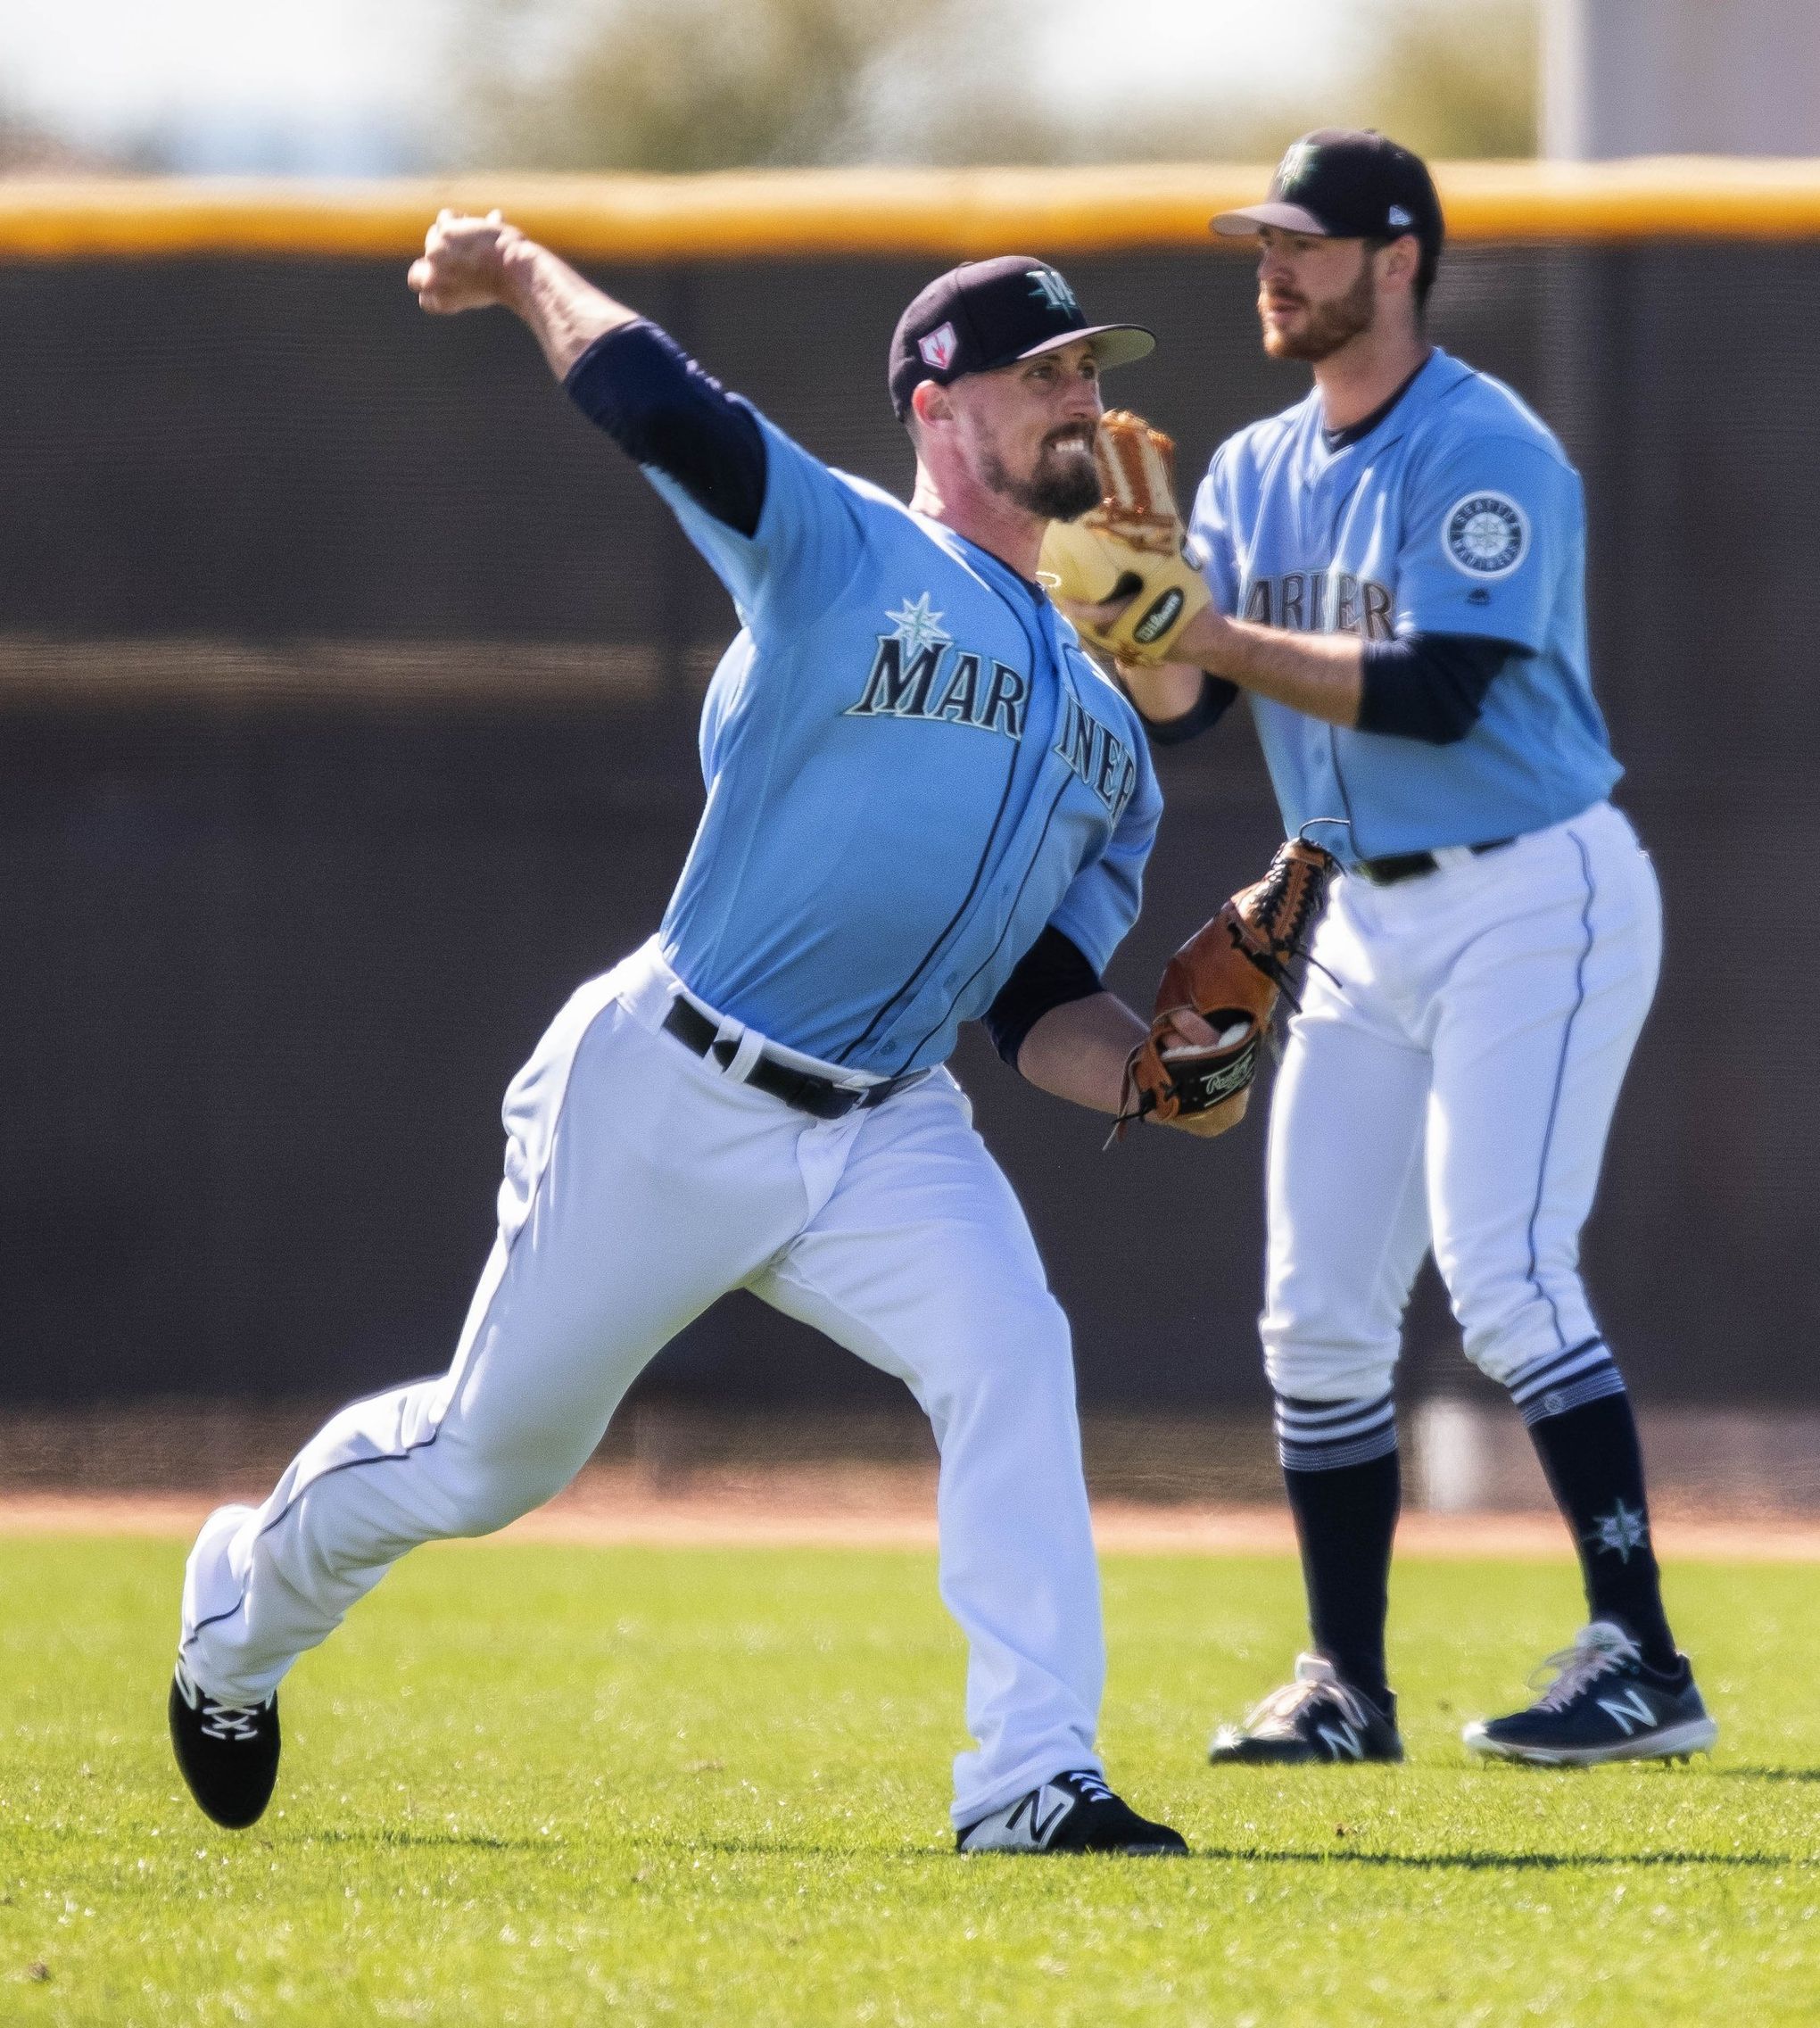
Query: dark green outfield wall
(347, 686)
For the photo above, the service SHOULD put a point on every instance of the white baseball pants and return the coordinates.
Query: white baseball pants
(1453, 1084)
(641, 1182)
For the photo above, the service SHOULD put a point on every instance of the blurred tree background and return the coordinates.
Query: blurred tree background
(31, 146)
(686, 85)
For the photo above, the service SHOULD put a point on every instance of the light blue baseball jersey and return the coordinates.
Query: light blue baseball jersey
(911, 769)
(1457, 514)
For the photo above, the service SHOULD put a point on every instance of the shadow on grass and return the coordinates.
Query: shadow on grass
(383, 1835)
(1501, 1862)
(1239, 1855)
(1767, 1773)
(380, 1838)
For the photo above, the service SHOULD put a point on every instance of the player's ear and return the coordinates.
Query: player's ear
(930, 402)
(1399, 260)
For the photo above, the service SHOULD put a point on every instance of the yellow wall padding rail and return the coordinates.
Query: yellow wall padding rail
(953, 213)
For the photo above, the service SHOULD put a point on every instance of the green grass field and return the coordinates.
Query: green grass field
(539, 1785)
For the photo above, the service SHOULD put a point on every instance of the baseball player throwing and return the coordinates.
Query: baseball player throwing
(1396, 566)
(924, 805)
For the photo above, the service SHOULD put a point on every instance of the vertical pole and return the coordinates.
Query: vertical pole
(1679, 77)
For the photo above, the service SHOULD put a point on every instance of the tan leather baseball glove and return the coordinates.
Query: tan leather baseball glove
(1131, 546)
(1229, 972)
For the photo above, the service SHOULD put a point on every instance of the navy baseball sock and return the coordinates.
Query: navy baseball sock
(1580, 1421)
(1340, 1467)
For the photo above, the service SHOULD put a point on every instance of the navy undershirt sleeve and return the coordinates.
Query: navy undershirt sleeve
(660, 407)
(1053, 972)
(1207, 709)
(1429, 686)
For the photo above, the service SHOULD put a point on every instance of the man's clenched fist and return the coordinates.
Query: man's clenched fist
(465, 264)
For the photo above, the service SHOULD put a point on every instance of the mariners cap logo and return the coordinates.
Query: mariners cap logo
(1294, 166)
(1486, 535)
(1053, 292)
(940, 346)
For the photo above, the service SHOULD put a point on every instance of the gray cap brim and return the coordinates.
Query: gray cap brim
(1286, 218)
(1114, 344)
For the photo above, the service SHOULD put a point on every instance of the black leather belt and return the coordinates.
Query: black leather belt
(821, 1097)
(1406, 866)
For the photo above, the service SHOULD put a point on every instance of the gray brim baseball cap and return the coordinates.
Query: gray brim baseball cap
(1288, 218)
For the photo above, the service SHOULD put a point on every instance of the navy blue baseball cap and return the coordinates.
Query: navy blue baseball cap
(991, 313)
(1345, 183)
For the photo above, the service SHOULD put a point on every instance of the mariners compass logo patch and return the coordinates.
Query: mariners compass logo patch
(1620, 1531)
(917, 627)
(1486, 535)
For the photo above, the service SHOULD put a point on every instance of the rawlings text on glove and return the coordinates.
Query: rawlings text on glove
(1229, 972)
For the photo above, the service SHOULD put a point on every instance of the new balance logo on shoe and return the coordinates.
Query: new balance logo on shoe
(1073, 1812)
(1031, 1809)
(1632, 1706)
(1317, 1718)
(1605, 1703)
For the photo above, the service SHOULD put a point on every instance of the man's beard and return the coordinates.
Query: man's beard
(1329, 324)
(1060, 491)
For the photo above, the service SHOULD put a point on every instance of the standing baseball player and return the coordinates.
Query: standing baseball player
(925, 805)
(1397, 572)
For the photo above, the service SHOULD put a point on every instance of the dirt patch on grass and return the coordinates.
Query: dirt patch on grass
(875, 1506)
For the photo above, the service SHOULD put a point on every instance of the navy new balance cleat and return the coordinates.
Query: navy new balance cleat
(1316, 1719)
(1070, 1813)
(228, 1753)
(1604, 1704)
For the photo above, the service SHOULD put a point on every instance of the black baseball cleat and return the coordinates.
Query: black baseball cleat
(1605, 1703)
(1070, 1813)
(228, 1753)
(1316, 1721)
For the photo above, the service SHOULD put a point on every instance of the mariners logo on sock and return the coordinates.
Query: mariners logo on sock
(1621, 1531)
(1486, 535)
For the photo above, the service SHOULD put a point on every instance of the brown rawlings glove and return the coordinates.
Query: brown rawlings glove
(1229, 972)
(1130, 547)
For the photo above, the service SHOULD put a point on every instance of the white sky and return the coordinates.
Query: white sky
(1174, 47)
(99, 63)
(99, 70)
(102, 62)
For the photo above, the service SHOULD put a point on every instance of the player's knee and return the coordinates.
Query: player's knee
(1013, 1348)
(1040, 1347)
(1327, 1366)
(499, 1499)
(488, 1488)
(1508, 1321)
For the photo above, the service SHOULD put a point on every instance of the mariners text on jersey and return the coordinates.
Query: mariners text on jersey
(1321, 601)
(919, 672)
(1456, 514)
